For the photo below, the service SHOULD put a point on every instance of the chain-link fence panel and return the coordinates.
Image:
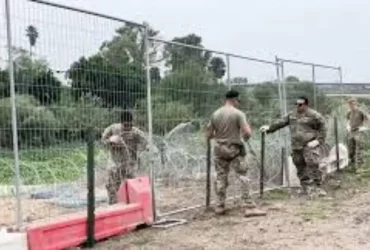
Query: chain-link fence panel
(259, 84)
(188, 86)
(192, 85)
(73, 70)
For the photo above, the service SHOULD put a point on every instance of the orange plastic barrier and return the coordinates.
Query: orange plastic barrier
(134, 209)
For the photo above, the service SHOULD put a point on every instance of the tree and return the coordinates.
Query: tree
(32, 77)
(116, 86)
(193, 87)
(32, 34)
(36, 124)
(218, 67)
(177, 55)
(46, 88)
(292, 79)
(116, 73)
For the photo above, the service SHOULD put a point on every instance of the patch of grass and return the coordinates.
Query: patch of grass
(277, 194)
(43, 166)
(316, 210)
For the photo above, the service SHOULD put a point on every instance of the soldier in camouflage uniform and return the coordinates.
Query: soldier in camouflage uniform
(123, 141)
(226, 126)
(356, 118)
(308, 133)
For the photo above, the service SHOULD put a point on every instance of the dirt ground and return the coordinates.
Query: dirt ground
(339, 221)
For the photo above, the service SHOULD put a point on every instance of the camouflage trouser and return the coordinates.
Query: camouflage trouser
(307, 163)
(356, 148)
(116, 176)
(226, 158)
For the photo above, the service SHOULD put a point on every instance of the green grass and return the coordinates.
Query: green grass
(43, 166)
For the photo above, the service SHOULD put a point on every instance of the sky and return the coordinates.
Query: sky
(323, 32)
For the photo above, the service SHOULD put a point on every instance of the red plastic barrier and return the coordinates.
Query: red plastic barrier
(134, 209)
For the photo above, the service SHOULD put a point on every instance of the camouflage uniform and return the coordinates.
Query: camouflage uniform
(124, 158)
(230, 156)
(305, 127)
(229, 152)
(356, 138)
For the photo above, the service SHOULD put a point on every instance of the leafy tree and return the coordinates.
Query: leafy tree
(26, 69)
(46, 88)
(292, 79)
(32, 34)
(193, 86)
(75, 117)
(116, 73)
(117, 87)
(36, 124)
(179, 56)
(4, 84)
(31, 77)
(166, 114)
(218, 67)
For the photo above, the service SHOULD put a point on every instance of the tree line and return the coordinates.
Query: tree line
(114, 78)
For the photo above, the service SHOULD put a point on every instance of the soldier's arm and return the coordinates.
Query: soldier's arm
(209, 130)
(366, 117)
(322, 128)
(279, 124)
(108, 132)
(244, 127)
(141, 138)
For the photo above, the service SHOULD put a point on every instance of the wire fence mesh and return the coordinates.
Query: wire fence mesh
(75, 70)
(72, 71)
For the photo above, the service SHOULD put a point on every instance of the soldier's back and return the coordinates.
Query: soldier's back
(226, 122)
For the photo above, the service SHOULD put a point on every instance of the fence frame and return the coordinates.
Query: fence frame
(282, 61)
(278, 63)
(227, 55)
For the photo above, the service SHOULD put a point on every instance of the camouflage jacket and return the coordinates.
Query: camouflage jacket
(357, 118)
(303, 127)
(133, 140)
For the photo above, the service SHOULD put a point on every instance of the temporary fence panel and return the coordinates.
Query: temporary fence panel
(73, 70)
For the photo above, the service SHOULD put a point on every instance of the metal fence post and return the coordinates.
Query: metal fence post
(336, 142)
(208, 180)
(262, 167)
(280, 65)
(14, 116)
(228, 71)
(341, 80)
(314, 87)
(284, 85)
(90, 189)
(150, 118)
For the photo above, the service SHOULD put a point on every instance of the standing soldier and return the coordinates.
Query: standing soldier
(123, 141)
(356, 119)
(227, 126)
(308, 133)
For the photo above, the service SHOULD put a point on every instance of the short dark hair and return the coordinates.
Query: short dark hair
(305, 99)
(126, 116)
(232, 94)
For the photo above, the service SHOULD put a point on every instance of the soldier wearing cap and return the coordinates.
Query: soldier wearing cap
(356, 119)
(308, 133)
(227, 126)
(123, 141)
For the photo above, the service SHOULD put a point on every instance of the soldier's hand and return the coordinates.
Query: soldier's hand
(313, 144)
(264, 128)
(348, 128)
(362, 128)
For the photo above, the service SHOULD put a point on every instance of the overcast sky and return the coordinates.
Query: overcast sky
(325, 32)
